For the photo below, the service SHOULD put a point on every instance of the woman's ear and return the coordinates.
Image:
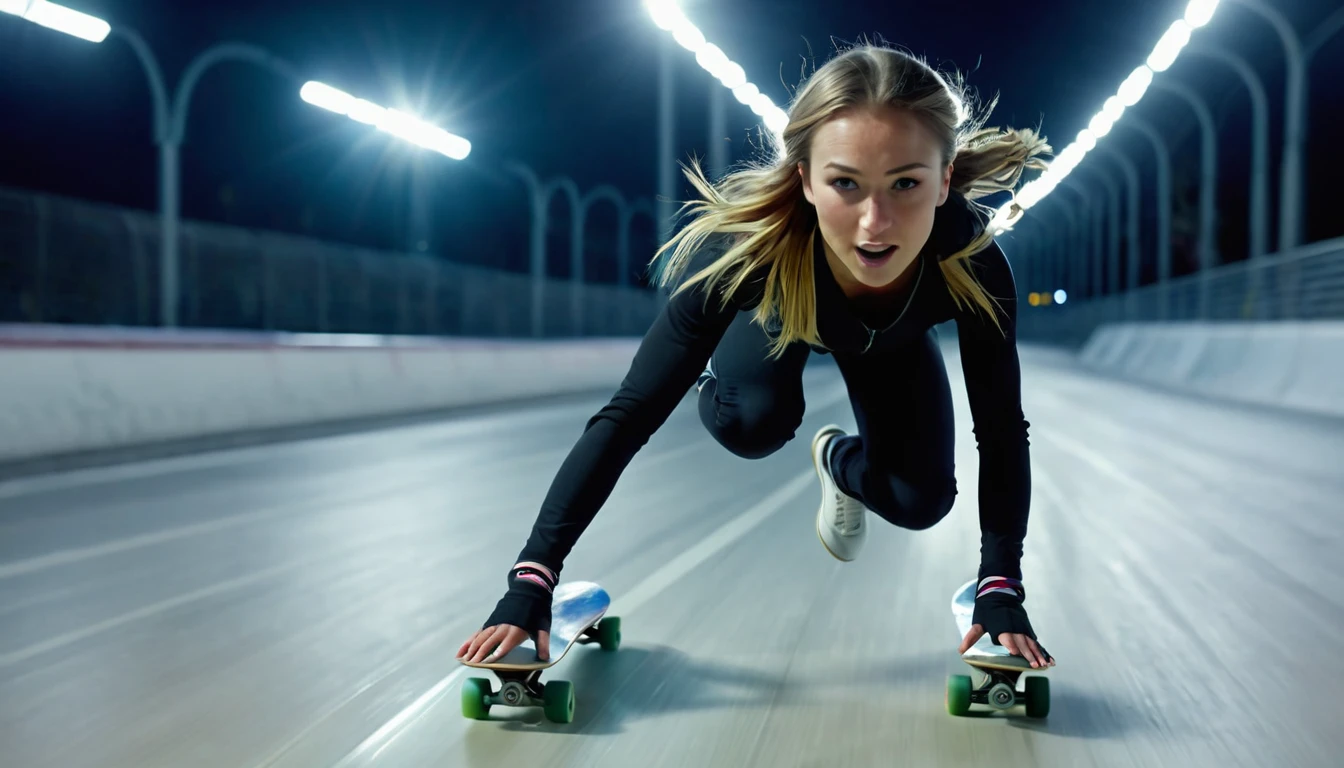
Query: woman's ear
(946, 184)
(807, 183)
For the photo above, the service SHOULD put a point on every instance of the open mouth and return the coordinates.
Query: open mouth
(874, 258)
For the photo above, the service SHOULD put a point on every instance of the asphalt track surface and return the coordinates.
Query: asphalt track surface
(299, 604)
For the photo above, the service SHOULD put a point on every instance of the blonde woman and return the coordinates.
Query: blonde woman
(855, 243)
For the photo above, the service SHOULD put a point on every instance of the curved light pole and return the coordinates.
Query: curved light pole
(1062, 244)
(1113, 241)
(623, 243)
(1027, 268)
(539, 194)
(1208, 177)
(1298, 55)
(170, 125)
(170, 143)
(1078, 240)
(1208, 183)
(1259, 192)
(1040, 247)
(639, 206)
(1131, 174)
(602, 192)
(1322, 33)
(1163, 198)
(1294, 120)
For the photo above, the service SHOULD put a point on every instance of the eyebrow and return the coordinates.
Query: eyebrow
(856, 171)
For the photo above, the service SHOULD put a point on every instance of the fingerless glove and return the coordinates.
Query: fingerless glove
(527, 603)
(998, 608)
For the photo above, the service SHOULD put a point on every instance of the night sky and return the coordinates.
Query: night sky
(569, 88)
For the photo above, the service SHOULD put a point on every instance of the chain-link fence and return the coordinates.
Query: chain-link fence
(70, 261)
(1306, 283)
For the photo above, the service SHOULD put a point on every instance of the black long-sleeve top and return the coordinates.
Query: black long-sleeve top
(681, 339)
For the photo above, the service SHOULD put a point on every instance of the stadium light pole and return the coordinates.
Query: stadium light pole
(170, 116)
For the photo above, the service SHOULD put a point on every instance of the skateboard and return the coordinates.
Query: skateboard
(998, 670)
(578, 615)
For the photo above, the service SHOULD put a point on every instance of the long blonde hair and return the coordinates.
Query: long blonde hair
(762, 203)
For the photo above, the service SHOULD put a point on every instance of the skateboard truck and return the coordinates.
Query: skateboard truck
(519, 689)
(997, 690)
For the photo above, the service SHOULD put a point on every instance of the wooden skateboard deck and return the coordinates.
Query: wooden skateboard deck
(578, 616)
(998, 667)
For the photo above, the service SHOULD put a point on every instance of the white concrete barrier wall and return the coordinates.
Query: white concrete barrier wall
(78, 389)
(1296, 365)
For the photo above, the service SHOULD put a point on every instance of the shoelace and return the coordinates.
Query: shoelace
(844, 520)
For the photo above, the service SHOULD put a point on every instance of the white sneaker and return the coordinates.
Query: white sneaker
(841, 523)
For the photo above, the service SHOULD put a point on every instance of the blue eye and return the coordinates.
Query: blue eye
(912, 183)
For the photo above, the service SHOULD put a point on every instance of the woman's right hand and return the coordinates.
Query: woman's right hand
(526, 604)
(491, 643)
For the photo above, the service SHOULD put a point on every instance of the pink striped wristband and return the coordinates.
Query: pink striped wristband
(992, 584)
(534, 575)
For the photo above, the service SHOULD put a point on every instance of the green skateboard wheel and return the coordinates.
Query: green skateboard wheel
(958, 694)
(609, 633)
(474, 693)
(1038, 696)
(558, 701)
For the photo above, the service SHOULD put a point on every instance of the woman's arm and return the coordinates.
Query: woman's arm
(669, 359)
(667, 363)
(989, 361)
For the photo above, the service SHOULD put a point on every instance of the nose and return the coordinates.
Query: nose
(878, 215)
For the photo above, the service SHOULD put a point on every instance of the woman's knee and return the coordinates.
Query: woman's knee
(751, 422)
(916, 508)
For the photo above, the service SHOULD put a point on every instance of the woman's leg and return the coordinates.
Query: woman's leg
(750, 403)
(900, 464)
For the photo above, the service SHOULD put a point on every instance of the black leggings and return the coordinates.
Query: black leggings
(899, 465)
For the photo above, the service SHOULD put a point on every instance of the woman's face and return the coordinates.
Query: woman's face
(875, 177)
